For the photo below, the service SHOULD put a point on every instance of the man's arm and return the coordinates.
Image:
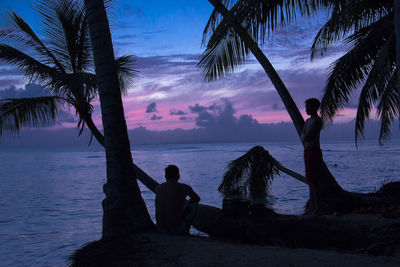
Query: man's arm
(194, 198)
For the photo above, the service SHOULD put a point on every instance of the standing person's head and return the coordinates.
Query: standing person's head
(172, 173)
(312, 106)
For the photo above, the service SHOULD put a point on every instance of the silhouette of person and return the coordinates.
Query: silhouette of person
(312, 153)
(172, 209)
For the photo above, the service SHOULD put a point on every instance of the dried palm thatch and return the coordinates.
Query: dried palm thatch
(250, 174)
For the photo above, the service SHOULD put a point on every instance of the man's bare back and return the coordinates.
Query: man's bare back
(170, 202)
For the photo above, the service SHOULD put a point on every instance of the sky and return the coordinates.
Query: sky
(170, 92)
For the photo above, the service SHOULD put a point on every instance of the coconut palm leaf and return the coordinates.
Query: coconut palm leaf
(262, 16)
(28, 112)
(24, 33)
(66, 26)
(225, 50)
(32, 68)
(250, 173)
(388, 108)
(223, 57)
(346, 18)
(378, 79)
(126, 71)
(349, 72)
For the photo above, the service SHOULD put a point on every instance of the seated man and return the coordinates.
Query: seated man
(170, 203)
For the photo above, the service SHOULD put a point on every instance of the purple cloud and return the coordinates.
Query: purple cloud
(152, 107)
(156, 118)
(176, 112)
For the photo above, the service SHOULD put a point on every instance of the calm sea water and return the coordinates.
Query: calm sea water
(50, 199)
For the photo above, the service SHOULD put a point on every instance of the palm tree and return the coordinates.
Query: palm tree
(232, 35)
(250, 174)
(62, 64)
(369, 64)
(124, 209)
(64, 69)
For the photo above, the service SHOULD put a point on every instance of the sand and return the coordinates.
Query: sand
(167, 250)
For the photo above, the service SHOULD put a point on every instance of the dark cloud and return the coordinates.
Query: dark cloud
(156, 118)
(197, 108)
(176, 112)
(220, 116)
(30, 90)
(152, 107)
(183, 118)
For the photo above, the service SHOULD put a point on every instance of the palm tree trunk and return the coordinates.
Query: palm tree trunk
(137, 173)
(124, 209)
(330, 187)
(397, 33)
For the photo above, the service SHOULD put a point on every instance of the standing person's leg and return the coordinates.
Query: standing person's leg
(315, 173)
(308, 172)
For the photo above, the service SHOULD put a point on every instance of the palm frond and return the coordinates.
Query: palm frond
(260, 17)
(28, 112)
(126, 71)
(225, 50)
(350, 71)
(346, 18)
(378, 79)
(32, 68)
(214, 20)
(388, 108)
(24, 33)
(223, 56)
(250, 173)
(64, 23)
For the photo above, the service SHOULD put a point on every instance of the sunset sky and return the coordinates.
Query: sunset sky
(170, 92)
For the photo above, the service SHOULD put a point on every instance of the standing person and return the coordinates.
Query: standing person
(171, 204)
(312, 153)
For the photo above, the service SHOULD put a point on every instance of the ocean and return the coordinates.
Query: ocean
(50, 198)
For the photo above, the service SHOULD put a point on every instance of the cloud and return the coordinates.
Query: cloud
(220, 117)
(156, 118)
(176, 112)
(30, 90)
(197, 108)
(152, 107)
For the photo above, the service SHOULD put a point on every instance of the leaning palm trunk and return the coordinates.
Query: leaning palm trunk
(329, 187)
(124, 209)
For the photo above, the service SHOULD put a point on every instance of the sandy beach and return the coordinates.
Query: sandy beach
(153, 249)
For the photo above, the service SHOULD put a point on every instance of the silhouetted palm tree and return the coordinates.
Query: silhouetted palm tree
(250, 174)
(231, 35)
(124, 209)
(367, 27)
(62, 64)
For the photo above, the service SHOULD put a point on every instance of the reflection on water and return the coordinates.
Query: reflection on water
(51, 199)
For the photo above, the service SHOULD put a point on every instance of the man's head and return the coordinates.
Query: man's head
(312, 106)
(172, 173)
